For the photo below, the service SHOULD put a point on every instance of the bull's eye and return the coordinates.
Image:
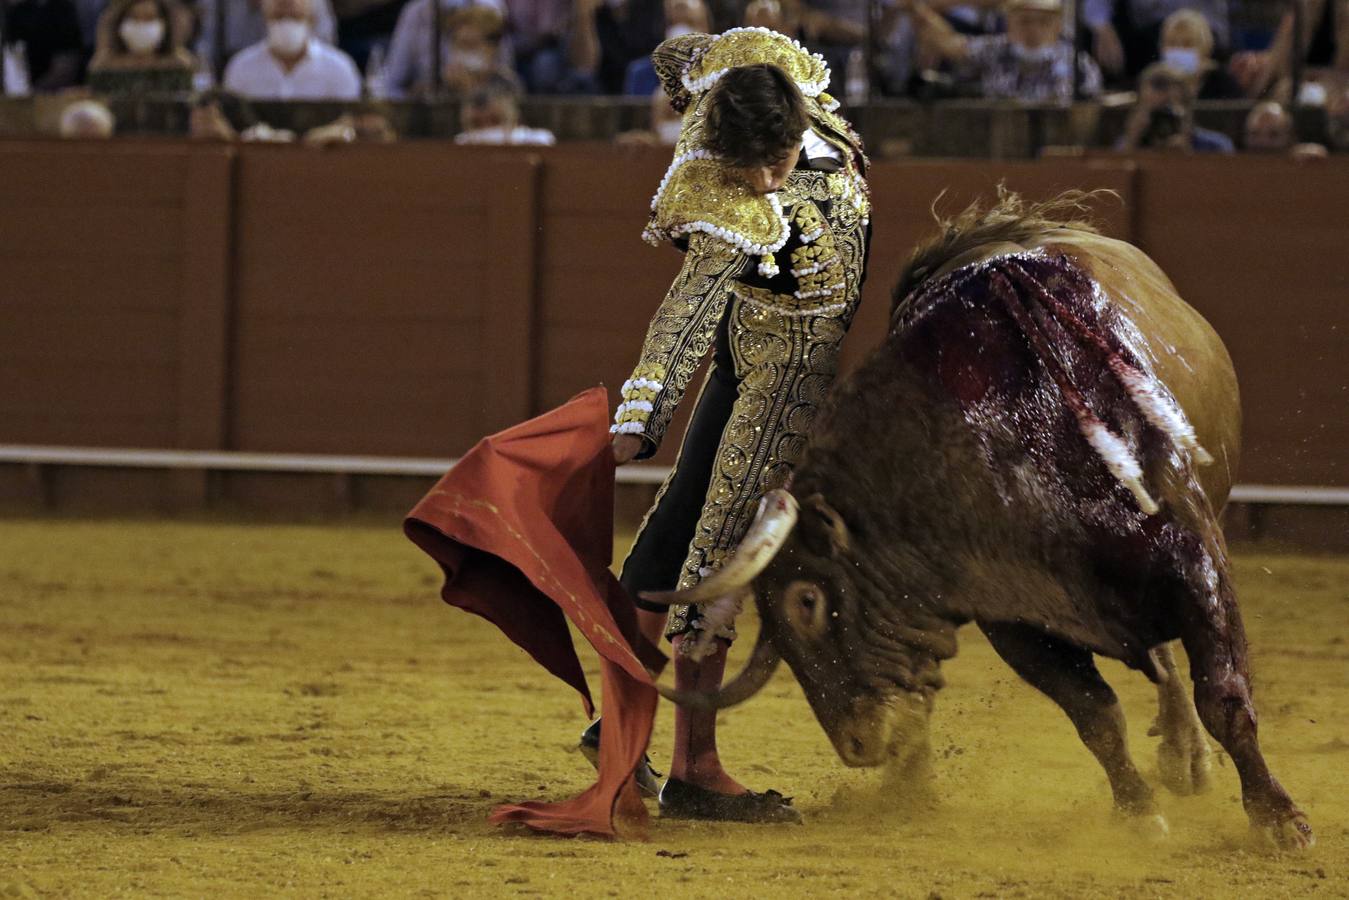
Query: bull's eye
(807, 608)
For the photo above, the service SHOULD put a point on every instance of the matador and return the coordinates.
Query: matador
(767, 198)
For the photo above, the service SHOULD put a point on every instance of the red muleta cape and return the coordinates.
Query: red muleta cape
(522, 527)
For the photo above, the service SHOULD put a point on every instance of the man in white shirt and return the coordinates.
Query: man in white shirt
(244, 25)
(291, 63)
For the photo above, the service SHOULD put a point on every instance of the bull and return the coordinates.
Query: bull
(1042, 446)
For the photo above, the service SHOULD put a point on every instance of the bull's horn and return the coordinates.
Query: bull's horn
(761, 666)
(772, 524)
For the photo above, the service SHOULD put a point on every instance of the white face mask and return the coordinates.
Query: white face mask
(1183, 58)
(287, 37)
(472, 60)
(1038, 55)
(668, 132)
(141, 37)
(678, 30)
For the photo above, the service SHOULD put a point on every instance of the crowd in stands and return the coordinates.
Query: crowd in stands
(1166, 54)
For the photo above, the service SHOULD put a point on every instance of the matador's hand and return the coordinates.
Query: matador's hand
(626, 447)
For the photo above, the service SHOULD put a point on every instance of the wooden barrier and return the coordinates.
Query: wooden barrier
(405, 300)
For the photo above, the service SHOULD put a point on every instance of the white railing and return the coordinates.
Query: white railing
(429, 467)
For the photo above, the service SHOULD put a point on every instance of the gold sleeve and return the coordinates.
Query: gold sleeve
(678, 339)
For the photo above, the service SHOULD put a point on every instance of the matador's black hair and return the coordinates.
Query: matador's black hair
(755, 115)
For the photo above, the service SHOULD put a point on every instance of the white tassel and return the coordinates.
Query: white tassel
(1161, 411)
(1120, 462)
(717, 615)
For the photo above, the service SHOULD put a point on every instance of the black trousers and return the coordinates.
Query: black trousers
(663, 544)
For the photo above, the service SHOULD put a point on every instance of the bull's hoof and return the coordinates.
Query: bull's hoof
(1185, 763)
(1150, 826)
(1292, 833)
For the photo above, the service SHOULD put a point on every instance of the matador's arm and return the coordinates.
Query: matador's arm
(677, 341)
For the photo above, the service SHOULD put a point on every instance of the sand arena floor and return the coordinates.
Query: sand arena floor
(194, 709)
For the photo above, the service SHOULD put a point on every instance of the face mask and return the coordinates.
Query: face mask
(141, 37)
(668, 132)
(1183, 58)
(677, 30)
(287, 37)
(1038, 55)
(472, 60)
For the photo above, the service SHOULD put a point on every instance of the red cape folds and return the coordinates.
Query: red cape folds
(523, 529)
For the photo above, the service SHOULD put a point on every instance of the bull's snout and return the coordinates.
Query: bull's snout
(876, 732)
(861, 747)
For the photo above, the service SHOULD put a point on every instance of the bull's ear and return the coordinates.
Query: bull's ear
(834, 526)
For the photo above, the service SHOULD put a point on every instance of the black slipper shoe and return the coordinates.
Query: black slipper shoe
(648, 779)
(681, 800)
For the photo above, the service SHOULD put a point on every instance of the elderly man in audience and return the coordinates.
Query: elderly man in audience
(1031, 62)
(50, 33)
(1269, 130)
(140, 49)
(1126, 32)
(291, 63)
(1163, 117)
(410, 68)
(246, 24)
(491, 115)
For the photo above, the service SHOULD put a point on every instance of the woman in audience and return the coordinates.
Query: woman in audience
(140, 49)
(1187, 44)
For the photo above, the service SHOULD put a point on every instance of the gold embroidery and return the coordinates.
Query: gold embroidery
(786, 364)
(679, 337)
(747, 46)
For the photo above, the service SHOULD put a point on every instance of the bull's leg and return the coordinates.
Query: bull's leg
(1068, 676)
(1183, 757)
(1215, 639)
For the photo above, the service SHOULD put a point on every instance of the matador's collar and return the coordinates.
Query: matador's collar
(700, 192)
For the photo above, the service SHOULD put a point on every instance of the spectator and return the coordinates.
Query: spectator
(1269, 130)
(607, 35)
(1031, 62)
(475, 48)
(1163, 117)
(246, 25)
(681, 17)
(491, 115)
(539, 39)
(50, 33)
(1126, 33)
(1187, 45)
(87, 119)
(140, 50)
(410, 67)
(291, 63)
